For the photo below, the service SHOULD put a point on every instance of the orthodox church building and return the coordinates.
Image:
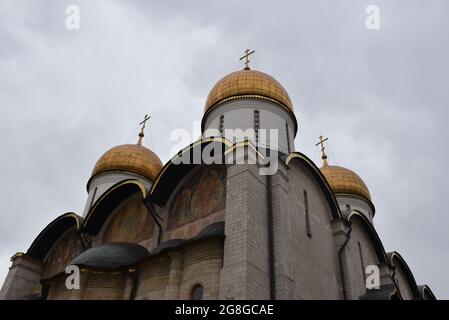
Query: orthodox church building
(218, 226)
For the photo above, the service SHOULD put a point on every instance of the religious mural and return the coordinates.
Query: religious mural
(131, 223)
(64, 250)
(200, 196)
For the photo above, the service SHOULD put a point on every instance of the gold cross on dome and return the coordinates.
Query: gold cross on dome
(143, 124)
(247, 54)
(323, 149)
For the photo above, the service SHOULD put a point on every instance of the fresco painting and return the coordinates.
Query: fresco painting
(65, 250)
(202, 195)
(131, 223)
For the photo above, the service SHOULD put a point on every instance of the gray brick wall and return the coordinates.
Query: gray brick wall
(22, 279)
(313, 262)
(245, 274)
(354, 270)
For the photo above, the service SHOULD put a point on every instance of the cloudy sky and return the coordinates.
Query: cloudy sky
(381, 96)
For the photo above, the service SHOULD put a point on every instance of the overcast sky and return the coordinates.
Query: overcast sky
(381, 96)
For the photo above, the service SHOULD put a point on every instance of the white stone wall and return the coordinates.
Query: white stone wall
(353, 269)
(355, 203)
(401, 280)
(239, 114)
(312, 262)
(102, 182)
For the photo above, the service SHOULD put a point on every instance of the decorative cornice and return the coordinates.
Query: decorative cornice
(114, 171)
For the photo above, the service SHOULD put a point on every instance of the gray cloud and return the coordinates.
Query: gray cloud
(381, 97)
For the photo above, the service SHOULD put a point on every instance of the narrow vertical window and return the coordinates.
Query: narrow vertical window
(288, 138)
(348, 207)
(221, 124)
(197, 292)
(306, 212)
(361, 260)
(222, 252)
(256, 125)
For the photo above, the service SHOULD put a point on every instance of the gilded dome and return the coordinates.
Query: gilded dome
(248, 83)
(342, 180)
(133, 158)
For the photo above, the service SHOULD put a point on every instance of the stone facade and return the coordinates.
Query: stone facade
(245, 273)
(22, 279)
(284, 237)
(219, 229)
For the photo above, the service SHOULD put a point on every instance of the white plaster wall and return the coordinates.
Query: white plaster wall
(239, 114)
(355, 204)
(104, 181)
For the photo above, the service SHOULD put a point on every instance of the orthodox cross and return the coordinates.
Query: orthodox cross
(143, 124)
(323, 149)
(247, 54)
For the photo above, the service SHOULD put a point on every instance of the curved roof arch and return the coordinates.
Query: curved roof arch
(372, 233)
(426, 292)
(394, 257)
(181, 164)
(99, 212)
(47, 237)
(316, 172)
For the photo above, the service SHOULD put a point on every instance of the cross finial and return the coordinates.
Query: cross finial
(247, 54)
(323, 149)
(143, 124)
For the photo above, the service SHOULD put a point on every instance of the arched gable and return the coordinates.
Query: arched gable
(108, 201)
(426, 292)
(374, 237)
(198, 200)
(180, 165)
(320, 179)
(396, 260)
(52, 232)
(129, 222)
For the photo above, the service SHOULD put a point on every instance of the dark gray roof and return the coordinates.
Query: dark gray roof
(212, 230)
(118, 255)
(111, 256)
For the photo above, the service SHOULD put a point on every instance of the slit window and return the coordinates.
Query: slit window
(307, 215)
(256, 125)
(221, 124)
(361, 260)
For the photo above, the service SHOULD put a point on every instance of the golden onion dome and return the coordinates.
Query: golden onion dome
(342, 180)
(248, 83)
(133, 158)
